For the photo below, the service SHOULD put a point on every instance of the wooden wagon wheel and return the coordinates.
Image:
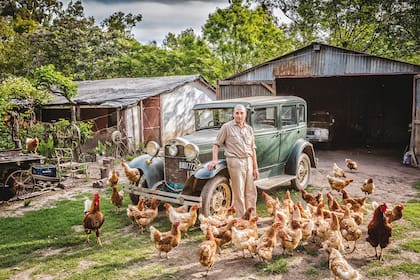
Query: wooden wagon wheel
(22, 180)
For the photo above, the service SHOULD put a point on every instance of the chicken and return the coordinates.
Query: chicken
(223, 235)
(289, 237)
(133, 209)
(273, 204)
(288, 202)
(338, 184)
(207, 250)
(166, 241)
(217, 220)
(113, 177)
(304, 213)
(368, 186)
(94, 219)
(244, 239)
(395, 214)
(311, 199)
(251, 225)
(333, 238)
(338, 172)
(306, 221)
(352, 200)
(340, 268)
(349, 228)
(132, 174)
(187, 219)
(180, 209)
(32, 144)
(379, 230)
(117, 198)
(145, 217)
(333, 205)
(351, 164)
(267, 242)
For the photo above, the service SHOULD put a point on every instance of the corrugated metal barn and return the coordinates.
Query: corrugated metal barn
(375, 101)
(144, 109)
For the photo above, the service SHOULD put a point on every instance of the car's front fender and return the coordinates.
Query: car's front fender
(152, 168)
(205, 173)
(301, 146)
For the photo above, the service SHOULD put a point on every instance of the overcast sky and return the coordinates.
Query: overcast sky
(159, 17)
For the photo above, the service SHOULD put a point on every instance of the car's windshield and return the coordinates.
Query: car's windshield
(211, 118)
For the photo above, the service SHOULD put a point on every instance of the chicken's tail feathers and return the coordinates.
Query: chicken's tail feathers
(88, 203)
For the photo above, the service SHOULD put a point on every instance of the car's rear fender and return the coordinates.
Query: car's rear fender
(301, 146)
(152, 168)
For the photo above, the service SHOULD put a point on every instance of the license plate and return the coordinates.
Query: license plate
(187, 165)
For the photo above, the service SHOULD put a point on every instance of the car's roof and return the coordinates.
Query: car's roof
(249, 101)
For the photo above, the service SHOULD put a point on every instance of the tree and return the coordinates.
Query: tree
(121, 22)
(387, 28)
(242, 37)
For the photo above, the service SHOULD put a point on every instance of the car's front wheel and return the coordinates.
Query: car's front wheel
(303, 172)
(216, 195)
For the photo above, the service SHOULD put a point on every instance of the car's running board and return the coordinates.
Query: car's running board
(165, 196)
(272, 182)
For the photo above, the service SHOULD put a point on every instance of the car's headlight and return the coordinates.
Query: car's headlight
(191, 151)
(152, 148)
(173, 150)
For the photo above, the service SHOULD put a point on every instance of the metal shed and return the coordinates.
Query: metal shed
(155, 108)
(375, 100)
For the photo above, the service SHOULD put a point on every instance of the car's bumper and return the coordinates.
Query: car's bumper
(317, 135)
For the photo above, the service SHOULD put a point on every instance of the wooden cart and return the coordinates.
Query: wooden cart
(16, 171)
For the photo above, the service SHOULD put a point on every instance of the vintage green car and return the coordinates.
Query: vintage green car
(181, 176)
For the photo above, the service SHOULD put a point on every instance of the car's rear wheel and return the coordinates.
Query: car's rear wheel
(303, 172)
(216, 195)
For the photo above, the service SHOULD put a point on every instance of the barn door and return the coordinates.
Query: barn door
(415, 132)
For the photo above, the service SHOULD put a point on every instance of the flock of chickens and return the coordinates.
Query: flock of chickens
(293, 223)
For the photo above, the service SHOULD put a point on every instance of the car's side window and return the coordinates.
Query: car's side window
(265, 118)
(288, 115)
(301, 113)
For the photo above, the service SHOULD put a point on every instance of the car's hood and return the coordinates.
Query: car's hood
(202, 137)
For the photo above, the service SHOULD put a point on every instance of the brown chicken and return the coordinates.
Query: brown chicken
(132, 174)
(352, 200)
(223, 235)
(245, 239)
(133, 209)
(289, 236)
(333, 205)
(340, 268)
(207, 250)
(333, 238)
(216, 220)
(117, 198)
(32, 144)
(145, 217)
(338, 184)
(338, 172)
(379, 230)
(113, 177)
(351, 164)
(395, 214)
(187, 219)
(368, 186)
(310, 198)
(179, 209)
(273, 204)
(166, 241)
(267, 242)
(349, 228)
(94, 219)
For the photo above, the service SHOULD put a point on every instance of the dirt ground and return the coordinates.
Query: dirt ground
(393, 185)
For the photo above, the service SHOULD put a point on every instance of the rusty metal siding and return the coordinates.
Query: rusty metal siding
(239, 91)
(325, 62)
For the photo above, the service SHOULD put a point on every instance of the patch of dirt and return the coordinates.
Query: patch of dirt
(393, 185)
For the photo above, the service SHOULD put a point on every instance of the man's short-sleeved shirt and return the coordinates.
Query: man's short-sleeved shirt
(238, 142)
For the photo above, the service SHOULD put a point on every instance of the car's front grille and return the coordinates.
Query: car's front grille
(173, 173)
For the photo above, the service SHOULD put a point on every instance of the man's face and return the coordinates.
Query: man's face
(239, 115)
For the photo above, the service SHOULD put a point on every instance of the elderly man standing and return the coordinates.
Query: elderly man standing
(237, 137)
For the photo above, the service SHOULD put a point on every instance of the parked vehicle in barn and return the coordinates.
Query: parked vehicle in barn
(181, 176)
(320, 127)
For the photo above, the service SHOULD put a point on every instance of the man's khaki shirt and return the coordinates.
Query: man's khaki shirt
(238, 142)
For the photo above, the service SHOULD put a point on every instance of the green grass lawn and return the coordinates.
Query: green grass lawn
(51, 242)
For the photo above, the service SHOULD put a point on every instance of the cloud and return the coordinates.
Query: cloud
(159, 17)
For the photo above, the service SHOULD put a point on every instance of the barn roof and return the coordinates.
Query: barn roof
(123, 92)
(322, 60)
